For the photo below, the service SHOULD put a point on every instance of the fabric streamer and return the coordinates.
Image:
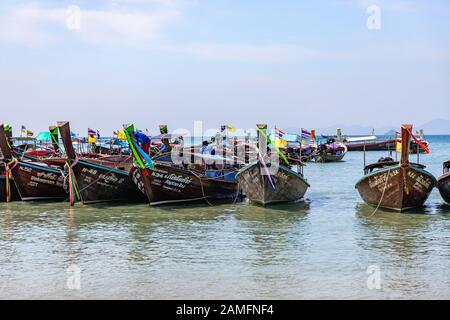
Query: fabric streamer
(136, 153)
(266, 170)
(275, 147)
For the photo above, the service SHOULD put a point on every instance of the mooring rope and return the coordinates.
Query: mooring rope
(203, 190)
(382, 195)
(74, 181)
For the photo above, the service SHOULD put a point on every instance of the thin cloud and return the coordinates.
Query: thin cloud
(30, 25)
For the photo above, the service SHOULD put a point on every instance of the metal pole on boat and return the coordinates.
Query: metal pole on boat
(224, 150)
(300, 151)
(364, 147)
(235, 151)
(418, 153)
(246, 148)
(192, 150)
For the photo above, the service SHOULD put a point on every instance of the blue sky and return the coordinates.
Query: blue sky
(288, 63)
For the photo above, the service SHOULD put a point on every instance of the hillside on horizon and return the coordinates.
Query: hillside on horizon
(433, 127)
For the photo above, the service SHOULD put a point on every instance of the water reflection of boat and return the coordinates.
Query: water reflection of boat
(443, 182)
(393, 234)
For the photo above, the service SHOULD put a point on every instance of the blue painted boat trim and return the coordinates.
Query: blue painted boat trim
(39, 167)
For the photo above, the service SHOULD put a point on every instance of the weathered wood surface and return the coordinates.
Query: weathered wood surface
(397, 188)
(169, 184)
(98, 183)
(102, 179)
(289, 186)
(34, 181)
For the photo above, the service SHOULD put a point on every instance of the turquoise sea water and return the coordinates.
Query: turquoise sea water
(319, 249)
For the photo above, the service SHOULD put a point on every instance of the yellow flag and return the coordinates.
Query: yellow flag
(280, 143)
(92, 139)
(121, 135)
(230, 128)
(398, 146)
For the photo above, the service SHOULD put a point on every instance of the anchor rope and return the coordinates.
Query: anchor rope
(382, 195)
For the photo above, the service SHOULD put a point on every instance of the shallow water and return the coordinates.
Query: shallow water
(318, 249)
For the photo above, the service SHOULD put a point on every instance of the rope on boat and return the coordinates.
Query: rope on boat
(203, 189)
(74, 181)
(8, 173)
(382, 195)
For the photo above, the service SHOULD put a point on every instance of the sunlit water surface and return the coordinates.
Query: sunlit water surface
(318, 249)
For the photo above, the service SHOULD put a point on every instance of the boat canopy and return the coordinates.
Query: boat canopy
(289, 137)
(43, 136)
(362, 139)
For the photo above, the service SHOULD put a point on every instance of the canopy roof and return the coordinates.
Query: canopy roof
(43, 136)
(362, 139)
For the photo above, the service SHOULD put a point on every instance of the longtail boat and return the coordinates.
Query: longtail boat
(34, 180)
(331, 151)
(167, 182)
(102, 179)
(397, 186)
(264, 186)
(443, 182)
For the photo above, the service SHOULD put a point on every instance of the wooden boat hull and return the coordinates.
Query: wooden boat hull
(289, 185)
(443, 185)
(98, 183)
(330, 158)
(326, 156)
(166, 184)
(100, 178)
(35, 182)
(396, 188)
(14, 194)
(372, 146)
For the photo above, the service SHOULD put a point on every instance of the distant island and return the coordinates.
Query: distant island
(433, 127)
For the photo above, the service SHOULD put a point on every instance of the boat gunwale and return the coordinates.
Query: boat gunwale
(395, 167)
(282, 167)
